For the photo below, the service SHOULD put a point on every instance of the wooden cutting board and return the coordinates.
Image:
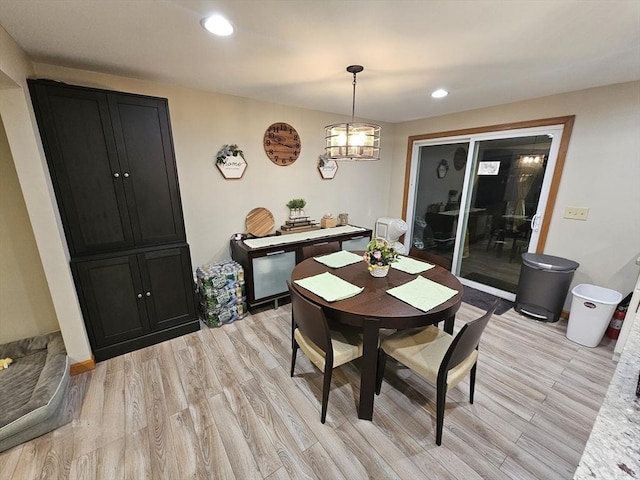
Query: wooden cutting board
(260, 222)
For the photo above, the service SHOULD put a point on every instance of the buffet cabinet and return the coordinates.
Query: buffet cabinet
(267, 269)
(112, 165)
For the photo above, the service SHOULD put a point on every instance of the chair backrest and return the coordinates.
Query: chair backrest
(319, 249)
(310, 319)
(467, 340)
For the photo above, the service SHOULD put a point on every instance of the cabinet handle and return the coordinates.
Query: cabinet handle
(125, 175)
(357, 238)
(139, 295)
(116, 175)
(148, 294)
(321, 243)
(275, 253)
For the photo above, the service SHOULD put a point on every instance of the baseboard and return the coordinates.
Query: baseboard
(81, 367)
(564, 314)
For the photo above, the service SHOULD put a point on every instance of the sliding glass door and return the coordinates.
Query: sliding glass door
(478, 201)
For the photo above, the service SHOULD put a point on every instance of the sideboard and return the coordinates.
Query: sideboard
(269, 261)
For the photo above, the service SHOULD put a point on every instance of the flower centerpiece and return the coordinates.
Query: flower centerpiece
(228, 151)
(379, 255)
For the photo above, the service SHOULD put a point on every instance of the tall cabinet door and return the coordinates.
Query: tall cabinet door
(110, 155)
(145, 149)
(167, 277)
(79, 143)
(113, 299)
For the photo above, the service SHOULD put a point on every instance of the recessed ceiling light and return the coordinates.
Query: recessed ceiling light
(440, 93)
(218, 25)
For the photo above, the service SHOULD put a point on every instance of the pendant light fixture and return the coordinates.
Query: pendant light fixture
(533, 159)
(353, 141)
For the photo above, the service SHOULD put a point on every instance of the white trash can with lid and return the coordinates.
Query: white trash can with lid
(591, 311)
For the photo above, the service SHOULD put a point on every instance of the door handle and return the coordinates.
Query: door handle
(535, 223)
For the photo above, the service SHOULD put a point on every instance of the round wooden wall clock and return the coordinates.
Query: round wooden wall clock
(282, 144)
(460, 158)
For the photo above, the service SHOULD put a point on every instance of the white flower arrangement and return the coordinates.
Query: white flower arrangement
(380, 253)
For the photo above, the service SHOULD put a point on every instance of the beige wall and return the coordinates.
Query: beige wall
(601, 172)
(26, 308)
(215, 208)
(30, 166)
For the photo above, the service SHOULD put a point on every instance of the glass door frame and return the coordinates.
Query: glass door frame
(560, 126)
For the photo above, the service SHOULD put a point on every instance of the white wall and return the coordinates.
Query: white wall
(601, 172)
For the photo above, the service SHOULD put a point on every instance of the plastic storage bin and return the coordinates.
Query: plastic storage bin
(591, 311)
(543, 286)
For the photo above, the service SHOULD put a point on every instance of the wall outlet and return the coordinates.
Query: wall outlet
(576, 213)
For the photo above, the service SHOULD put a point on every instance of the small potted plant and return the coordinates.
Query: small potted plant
(379, 255)
(295, 207)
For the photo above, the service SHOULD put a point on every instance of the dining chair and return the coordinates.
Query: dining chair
(325, 348)
(441, 358)
(320, 249)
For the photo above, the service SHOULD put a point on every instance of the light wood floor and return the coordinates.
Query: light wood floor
(220, 404)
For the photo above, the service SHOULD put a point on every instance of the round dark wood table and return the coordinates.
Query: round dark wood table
(374, 309)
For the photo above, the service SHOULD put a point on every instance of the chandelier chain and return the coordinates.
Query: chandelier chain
(353, 103)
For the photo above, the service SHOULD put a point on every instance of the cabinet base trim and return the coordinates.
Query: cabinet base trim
(110, 351)
(82, 367)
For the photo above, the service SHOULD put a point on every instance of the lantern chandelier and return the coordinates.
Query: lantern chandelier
(353, 141)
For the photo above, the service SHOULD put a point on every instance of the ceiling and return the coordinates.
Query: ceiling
(294, 52)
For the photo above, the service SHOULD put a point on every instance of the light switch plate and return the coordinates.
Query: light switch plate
(576, 213)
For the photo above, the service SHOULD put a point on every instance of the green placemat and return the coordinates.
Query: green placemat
(422, 293)
(329, 287)
(338, 259)
(410, 265)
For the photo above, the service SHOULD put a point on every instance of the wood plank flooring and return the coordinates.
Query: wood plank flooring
(220, 404)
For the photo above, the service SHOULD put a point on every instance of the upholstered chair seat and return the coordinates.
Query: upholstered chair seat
(442, 359)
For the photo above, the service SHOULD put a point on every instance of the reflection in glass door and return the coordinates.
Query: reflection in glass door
(478, 202)
(503, 199)
(439, 184)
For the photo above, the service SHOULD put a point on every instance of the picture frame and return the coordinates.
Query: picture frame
(327, 169)
(232, 168)
(442, 169)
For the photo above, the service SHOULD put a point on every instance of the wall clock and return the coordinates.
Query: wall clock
(460, 158)
(282, 144)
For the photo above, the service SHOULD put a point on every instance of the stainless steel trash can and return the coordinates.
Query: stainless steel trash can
(543, 286)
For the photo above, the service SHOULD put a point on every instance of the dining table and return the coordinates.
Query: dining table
(374, 309)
